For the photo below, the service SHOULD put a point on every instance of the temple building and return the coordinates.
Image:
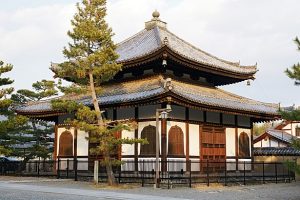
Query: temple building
(160, 70)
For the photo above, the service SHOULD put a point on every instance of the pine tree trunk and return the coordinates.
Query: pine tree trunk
(109, 171)
(95, 100)
(110, 175)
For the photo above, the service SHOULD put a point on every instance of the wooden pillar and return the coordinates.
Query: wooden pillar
(163, 149)
(252, 148)
(75, 147)
(119, 150)
(75, 143)
(200, 146)
(55, 146)
(136, 135)
(187, 139)
(187, 146)
(55, 142)
(236, 148)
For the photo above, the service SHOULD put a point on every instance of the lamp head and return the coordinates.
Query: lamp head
(168, 108)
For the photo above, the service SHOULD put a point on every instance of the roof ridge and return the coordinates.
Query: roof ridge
(157, 35)
(237, 64)
(133, 36)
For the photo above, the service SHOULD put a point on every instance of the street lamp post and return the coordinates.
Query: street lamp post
(164, 114)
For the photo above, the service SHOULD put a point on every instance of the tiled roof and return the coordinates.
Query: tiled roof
(153, 86)
(276, 151)
(148, 41)
(281, 135)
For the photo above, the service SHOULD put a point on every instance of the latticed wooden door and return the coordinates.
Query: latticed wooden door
(213, 148)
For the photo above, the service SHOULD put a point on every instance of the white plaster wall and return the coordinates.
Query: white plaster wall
(142, 125)
(269, 143)
(230, 141)
(257, 144)
(274, 143)
(66, 163)
(147, 164)
(128, 149)
(128, 164)
(82, 164)
(288, 129)
(177, 165)
(294, 126)
(182, 126)
(60, 130)
(82, 143)
(195, 164)
(248, 131)
(282, 145)
(265, 142)
(194, 139)
(244, 164)
(231, 164)
(262, 143)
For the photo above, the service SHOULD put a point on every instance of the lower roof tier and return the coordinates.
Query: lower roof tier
(158, 89)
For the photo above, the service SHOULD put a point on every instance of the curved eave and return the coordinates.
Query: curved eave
(158, 53)
(46, 115)
(171, 97)
(192, 104)
(152, 90)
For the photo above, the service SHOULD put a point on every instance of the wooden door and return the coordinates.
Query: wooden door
(213, 148)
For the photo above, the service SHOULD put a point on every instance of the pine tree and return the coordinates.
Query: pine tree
(294, 115)
(294, 72)
(92, 61)
(37, 133)
(10, 124)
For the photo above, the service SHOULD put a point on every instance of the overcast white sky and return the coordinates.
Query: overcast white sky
(33, 33)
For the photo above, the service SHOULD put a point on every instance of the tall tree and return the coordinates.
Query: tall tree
(294, 72)
(37, 133)
(92, 61)
(10, 124)
(294, 115)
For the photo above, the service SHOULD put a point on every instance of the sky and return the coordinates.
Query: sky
(33, 34)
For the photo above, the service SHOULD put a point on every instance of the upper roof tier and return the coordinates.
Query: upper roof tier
(157, 38)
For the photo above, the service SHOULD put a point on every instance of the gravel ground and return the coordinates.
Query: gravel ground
(280, 191)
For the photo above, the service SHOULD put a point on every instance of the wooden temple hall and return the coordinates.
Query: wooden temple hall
(159, 70)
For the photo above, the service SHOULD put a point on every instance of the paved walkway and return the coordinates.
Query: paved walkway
(69, 192)
(16, 188)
